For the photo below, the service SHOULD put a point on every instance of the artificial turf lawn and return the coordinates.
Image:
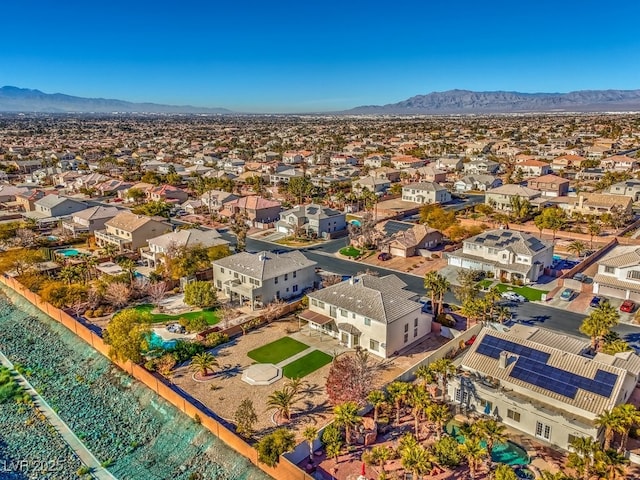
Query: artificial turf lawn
(211, 316)
(531, 294)
(307, 364)
(277, 351)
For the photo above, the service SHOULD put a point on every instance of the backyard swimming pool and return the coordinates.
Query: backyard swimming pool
(156, 341)
(355, 223)
(68, 252)
(509, 453)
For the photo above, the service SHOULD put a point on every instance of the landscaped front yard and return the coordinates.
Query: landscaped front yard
(210, 316)
(531, 294)
(276, 352)
(350, 251)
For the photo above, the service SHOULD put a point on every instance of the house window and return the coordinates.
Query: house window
(235, 275)
(286, 277)
(314, 302)
(367, 321)
(515, 416)
(343, 312)
(219, 284)
(275, 280)
(321, 304)
(609, 270)
(287, 289)
(374, 345)
(634, 274)
(278, 294)
(332, 311)
(295, 274)
(543, 430)
(461, 396)
(221, 270)
(572, 438)
(406, 337)
(486, 405)
(415, 322)
(406, 327)
(295, 288)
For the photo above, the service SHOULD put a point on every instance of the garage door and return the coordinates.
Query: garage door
(612, 292)
(635, 296)
(397, 252)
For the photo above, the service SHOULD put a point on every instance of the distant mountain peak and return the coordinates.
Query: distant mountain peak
(26, 100)
(467, 101)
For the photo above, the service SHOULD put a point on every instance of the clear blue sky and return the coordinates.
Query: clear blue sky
(315, 55)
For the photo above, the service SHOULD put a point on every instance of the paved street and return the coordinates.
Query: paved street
(528, 313)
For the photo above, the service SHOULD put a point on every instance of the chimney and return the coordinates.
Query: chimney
(502, 362)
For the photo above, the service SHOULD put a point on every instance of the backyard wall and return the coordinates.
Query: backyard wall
(284, 470)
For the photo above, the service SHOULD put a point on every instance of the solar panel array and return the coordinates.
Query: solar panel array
(392, 227)
(531, 367)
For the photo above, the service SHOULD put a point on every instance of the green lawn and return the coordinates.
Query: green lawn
(277, 351)
(211, 316)
(531, 294)
(350, 251)
(307, 364)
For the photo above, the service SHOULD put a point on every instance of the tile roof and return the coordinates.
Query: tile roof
(312, 210)
(558, 360)
(253, 202)
(188, 238)
(265, 265)
(94, 213)
(517, 242)
(511, 189)
(383, 299)
(129, 221)
(626, 259)
(428, 186)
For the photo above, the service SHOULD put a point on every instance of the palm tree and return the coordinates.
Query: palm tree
(472, 309)
(439, 414)
(610, 421)
(582, 456)
(503, 313)
(445, 369)
(599, 323)
(491, 297)
(310, 434)
(109, 250)
(346, 415)
(128, 266)
(547, 475)
(417, 459)
(377, 398)
(594, 229)
(474, 452)
(420, 400)
(577, 247)
(425, 374)
(203, 362)
(398, 392)
(281, 401)
(430, 280)
(628, 416)
(611, 465)
(492, 432)
(441, 287)
(379, 455)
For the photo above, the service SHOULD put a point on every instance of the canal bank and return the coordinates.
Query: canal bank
(125, 425)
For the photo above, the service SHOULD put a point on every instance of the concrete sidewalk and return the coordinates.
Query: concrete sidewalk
(82, 452)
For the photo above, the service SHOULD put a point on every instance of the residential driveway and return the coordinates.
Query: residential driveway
(414, 265)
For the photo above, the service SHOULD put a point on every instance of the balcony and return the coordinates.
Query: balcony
(103, 237)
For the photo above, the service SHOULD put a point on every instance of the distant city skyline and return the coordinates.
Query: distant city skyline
(289, 57)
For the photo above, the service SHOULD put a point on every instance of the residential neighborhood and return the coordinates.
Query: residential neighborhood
(424, 274)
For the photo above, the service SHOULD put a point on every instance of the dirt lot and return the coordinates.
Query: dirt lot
(415, 265)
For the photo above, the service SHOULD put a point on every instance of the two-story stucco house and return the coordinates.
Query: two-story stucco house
(315, 220)
(506, 253)
(628, 188)
(476, 182)
(375, 313)
(619, 274)
(257, 209)
(261, 278)
(55, 206)
(483, 167)
(533, 168)
(550, 185)
(500, 198)
(89, 220)
(161, 246)
(543, 383)
(425, 192)
(128, 231)
(371, 183)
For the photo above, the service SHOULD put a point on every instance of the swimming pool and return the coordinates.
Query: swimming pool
(68, 252)
(156, 341)
(509, 453)
(355, 223)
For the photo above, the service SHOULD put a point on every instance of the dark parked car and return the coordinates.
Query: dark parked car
(384, 256)
(595, 302)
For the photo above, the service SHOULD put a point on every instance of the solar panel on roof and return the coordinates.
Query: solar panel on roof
(531, 367)
(392, 227)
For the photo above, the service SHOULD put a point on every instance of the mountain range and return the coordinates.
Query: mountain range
(467, 102)
(14, 99)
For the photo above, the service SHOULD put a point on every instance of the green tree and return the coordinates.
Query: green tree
(629, 416)
(128, 266)
(436, 285)
(610, 465)
(203, 363)
(377, 398)
(437, 217)
(504, 472)
(554, 219)
(594, 229)
(444, 369)
(310, 434)
(136, 194)
(417, 460)
(398, 392)
(271, 446)
(474, 453)
(599, 323)
(154, 208)
(577, 247)
(379, 455)
(127, 334)
(447, 453)
(200, 294)
(346, 415)
(299, 188)
(282, 401)
(245, 417)
(438, 414)
(581, 458)
(420, 402)
(492, 432)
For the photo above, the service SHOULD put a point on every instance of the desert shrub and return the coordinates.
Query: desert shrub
(216, 338)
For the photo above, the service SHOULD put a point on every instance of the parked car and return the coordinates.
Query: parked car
(581, 277)
(596, 301)
(384, 256)
(567, 294)
(513, 297)
(627, 306)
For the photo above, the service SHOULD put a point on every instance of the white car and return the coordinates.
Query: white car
(513, 297)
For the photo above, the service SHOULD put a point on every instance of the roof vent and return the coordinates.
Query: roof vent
(262, 257)
(351, 281)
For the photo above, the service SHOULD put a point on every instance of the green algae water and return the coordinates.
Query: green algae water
(126, 426)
